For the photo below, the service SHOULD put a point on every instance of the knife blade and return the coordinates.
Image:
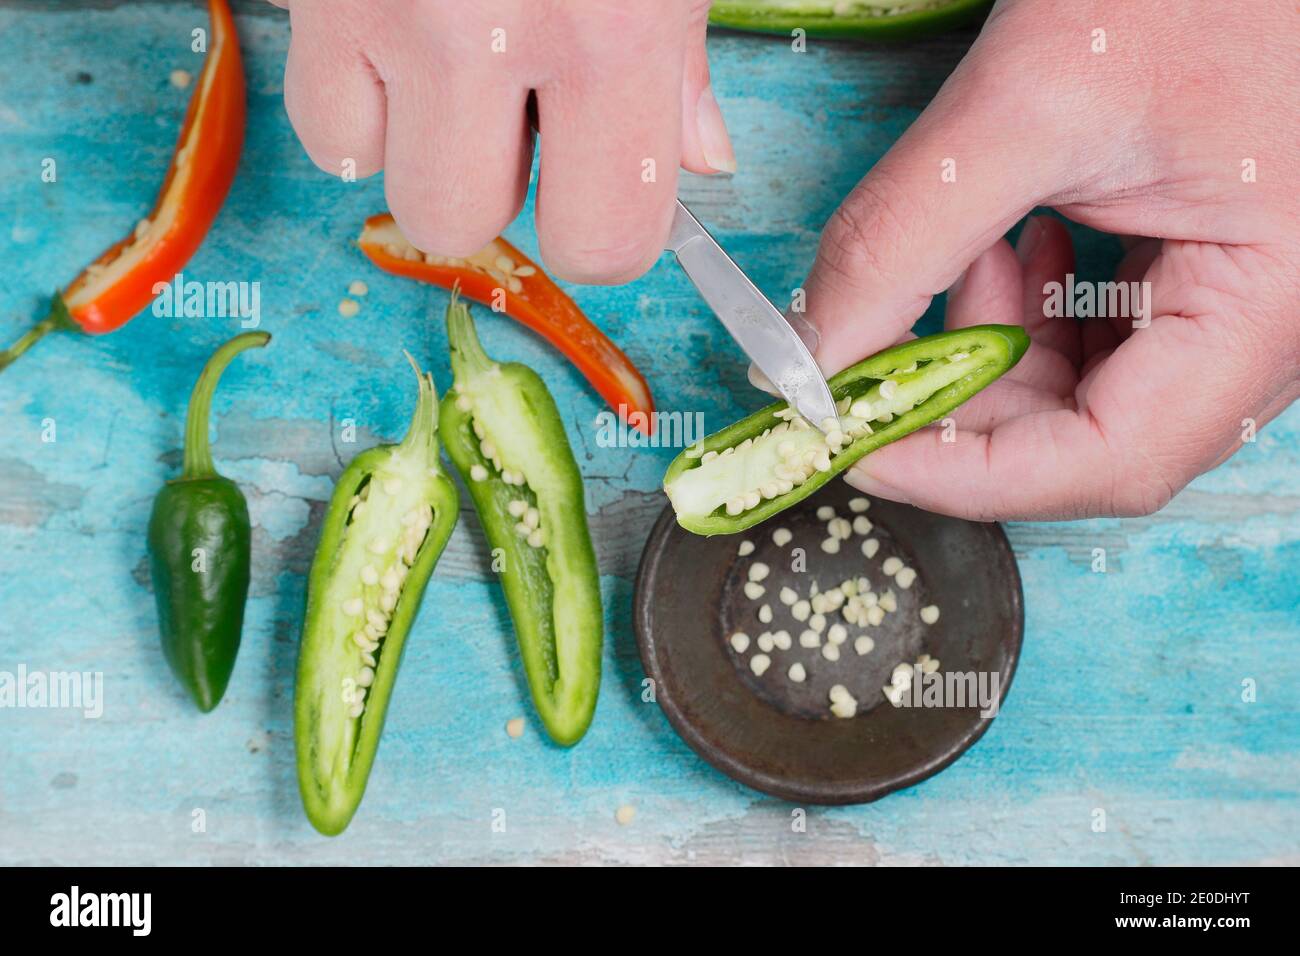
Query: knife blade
(758, 327)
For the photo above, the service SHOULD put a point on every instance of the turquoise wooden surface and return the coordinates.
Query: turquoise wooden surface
(1129, 693)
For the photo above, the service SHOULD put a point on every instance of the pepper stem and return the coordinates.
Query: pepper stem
(59, 318)
(422, 435)
(198, 454)
(467, 355)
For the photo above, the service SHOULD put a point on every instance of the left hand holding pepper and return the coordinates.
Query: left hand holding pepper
(1108, 416)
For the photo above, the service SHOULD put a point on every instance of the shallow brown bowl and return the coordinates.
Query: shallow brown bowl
(779, 736)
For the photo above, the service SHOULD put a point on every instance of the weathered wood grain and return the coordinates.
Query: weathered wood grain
(1128, 697)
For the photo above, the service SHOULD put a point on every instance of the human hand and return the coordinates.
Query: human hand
(434, 92)
(1157, 136)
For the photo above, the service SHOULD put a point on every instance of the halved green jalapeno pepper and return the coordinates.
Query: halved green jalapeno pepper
(503, 432)
(391, 515)
(199, 550)
(765, 463)
(848, 19)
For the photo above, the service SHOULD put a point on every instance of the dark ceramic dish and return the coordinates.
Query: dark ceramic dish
(779, 736)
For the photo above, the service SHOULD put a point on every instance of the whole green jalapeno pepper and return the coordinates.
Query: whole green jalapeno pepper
(767, 462)
(504, 434)
(390, 517)
(848, 19)
(199, 551)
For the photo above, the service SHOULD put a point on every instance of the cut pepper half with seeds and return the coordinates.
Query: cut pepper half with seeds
(503, 432)
(391, 515)
(767, 462)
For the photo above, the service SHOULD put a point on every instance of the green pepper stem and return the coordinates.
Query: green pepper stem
(422, 435)
(198, 454)
(467, 355)
(59, 318)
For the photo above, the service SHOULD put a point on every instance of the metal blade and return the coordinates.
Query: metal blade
(756, 325)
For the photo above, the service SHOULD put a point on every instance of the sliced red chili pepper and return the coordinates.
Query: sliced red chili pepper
(121, 282)
(529, 296)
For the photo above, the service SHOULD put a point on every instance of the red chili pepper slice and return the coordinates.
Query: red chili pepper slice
(529, 296)
(120, 283)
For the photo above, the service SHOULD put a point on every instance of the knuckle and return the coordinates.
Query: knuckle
(859, 232)
(1134, 495)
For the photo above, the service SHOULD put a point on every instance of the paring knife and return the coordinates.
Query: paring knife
(756, 325)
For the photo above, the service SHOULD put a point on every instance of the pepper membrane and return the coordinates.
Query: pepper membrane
(506, 438)
(767, 462)
(389, 519)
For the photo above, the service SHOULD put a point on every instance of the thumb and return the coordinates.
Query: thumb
(944, 193)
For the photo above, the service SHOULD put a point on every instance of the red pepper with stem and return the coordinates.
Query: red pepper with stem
(121, 282)
(529, 296)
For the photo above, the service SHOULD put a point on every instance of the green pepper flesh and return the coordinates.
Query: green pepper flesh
(931, 376)
(388, 521)
(552, 588)
(855, 19)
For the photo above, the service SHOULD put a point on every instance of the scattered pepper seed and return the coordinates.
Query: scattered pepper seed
(825, 513)
(765, 614)
(765, 642)
(788, 596)
(862, 525)
(863, 645)
(781, 640)
(781, 537)
(800, 610)
(892, 565)
(797, 673)
(357, 288)
(754, 590)
(739, 642)
(905, 578)
(625, 814)
(349, 307)
(515, 727)
(759, 663)
(870, 547)
(929, 614)
(746, 548)
(810, 638)
(758, 571)
(831, 652)
(180, 79)
(859, 505)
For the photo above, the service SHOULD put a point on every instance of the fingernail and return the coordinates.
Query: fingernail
(759, 380)
(871, 485)
(806, 331)
(1031, 237)
(714, 141)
